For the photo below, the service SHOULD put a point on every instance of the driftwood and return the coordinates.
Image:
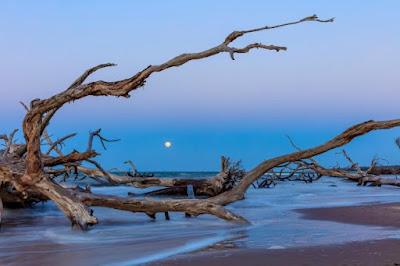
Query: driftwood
(360, 178)
(371, 175)
(1, 209)
(230, 174)
(28, 172)
(212, 205)
(384, 170)
(287, 172)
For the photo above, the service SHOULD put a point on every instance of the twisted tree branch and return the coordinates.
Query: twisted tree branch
(348, 135)
(123, 87)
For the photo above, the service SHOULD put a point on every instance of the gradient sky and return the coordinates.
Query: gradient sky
(333, 75)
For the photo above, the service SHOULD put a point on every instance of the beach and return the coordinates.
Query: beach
(328, 222)
(379, 252)
(371, 252)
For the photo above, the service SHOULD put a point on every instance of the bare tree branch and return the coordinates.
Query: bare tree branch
(102, 139)
(348, 135)
(123, 87)
(41, 111)
(87, 73)
(59, 141)
(70, 158)
(50, 143)
(9, 141)
(236, 34)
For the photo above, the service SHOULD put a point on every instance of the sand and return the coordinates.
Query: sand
(382, 252)
(377, 252)
(377, 214)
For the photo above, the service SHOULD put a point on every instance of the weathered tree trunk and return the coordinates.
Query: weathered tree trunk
(76, 211)
(190, 206)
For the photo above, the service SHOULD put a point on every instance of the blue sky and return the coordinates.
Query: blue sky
(333, 75)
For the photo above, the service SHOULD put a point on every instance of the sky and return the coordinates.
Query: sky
(332, 76)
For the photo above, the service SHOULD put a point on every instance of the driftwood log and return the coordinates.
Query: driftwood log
(29, 174)
(373, 175)
(231, 173)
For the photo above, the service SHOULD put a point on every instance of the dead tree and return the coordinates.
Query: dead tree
(355, 173)
(230, 174)
(288, 172)
(28, 172)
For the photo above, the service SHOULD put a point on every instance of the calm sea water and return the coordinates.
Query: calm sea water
(42, 236)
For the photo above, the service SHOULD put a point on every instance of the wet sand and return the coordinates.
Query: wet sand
(382, 252)
(377, 252)
(376, 214)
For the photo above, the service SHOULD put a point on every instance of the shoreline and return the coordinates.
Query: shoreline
(371, 252)
(384, 214)
(377, 252)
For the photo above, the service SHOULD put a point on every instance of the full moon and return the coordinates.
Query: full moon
(168, 144)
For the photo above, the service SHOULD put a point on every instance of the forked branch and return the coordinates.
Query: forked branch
(79, 90)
